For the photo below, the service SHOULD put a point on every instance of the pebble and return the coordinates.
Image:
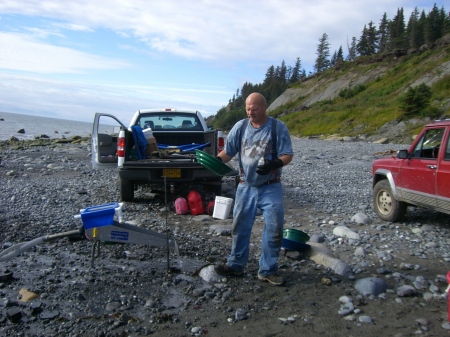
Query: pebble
(241, 314)
(365, 319)
(346, 309)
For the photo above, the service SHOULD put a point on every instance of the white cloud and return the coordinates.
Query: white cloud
(242, 30)
(21, 52)
(71, 26)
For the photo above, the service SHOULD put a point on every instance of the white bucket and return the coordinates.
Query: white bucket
(222, 207)
(148, 133)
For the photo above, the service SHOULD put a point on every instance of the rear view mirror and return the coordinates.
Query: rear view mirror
(403, 154)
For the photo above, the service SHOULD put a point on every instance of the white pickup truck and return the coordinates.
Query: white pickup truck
(173, 166)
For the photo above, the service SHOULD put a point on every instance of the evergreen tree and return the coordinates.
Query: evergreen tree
(416, 100)
(323, 53)
(340, 55)
(368, 43)
(397, 31)
(295, 75)
(246, 90)
(270, 76)
(363, 44)
(352, 52)
(421, 24)
(383, 35)
(303, 75)
(282, 73)
(447, 24)
(412, 29)
(333, 59)
(435, 26)
(372, 38)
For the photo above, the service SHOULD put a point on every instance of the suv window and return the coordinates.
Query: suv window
(428, 145)
(169, 121)
(447, 150)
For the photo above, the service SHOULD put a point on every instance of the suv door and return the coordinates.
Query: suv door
(417, 178)
(443, 177)
(105, 132)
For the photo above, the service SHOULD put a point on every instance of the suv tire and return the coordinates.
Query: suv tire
(386, 206)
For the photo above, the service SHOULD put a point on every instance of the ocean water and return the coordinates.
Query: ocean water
(34, 126)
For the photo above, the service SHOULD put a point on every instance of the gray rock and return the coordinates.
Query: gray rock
(406, 291)
(371, 286)
(241, 314)
(361, 218)
(365, 319)
(344, 231)
(346, 309)
(360, 252)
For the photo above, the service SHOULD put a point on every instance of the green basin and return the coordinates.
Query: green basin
(295, 235)
(212, 163)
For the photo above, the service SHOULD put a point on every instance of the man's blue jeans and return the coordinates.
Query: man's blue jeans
(269, 199)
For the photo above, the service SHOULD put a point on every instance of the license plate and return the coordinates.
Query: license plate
(172, 173)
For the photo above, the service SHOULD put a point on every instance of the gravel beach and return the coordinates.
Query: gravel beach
(361, 276)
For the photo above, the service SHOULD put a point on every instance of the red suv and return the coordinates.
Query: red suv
(419, 176)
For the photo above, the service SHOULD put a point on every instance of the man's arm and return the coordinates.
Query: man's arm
(286, 158)
(223, 157)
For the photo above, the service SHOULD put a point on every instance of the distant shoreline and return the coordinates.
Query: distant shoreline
(40, 127)
(30, 143)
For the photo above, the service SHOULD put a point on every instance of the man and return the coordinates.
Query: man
(259, 187)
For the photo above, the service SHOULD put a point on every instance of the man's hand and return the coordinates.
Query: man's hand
(269, 166)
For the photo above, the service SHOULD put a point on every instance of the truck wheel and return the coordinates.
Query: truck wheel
(386, 206)
(126, 190)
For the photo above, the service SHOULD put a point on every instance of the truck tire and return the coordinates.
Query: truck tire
(126, 190)
(386, 206)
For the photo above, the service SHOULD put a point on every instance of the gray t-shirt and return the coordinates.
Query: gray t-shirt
(257, 143)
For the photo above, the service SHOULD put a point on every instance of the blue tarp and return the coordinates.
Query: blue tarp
(184, 148)
(140, 141)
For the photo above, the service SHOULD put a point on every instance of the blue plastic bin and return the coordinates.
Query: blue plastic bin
(98, 216)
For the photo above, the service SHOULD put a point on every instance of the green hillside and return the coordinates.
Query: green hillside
(364, 108)
(394, 77)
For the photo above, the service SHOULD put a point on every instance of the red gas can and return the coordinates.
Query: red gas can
(195, 203)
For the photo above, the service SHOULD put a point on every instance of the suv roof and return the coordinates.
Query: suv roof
(443, 122)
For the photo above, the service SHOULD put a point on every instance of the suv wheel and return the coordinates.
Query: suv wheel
(386, 206)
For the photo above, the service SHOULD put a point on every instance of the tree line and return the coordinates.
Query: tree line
(390, 37)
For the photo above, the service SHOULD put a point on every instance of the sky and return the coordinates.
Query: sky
(70, 59)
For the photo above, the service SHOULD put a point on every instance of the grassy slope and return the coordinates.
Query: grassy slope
(373, 107)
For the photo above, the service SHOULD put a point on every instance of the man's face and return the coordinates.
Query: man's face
(256, 111)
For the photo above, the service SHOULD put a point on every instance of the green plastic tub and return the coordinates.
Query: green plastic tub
(295, 235)
(212, 163)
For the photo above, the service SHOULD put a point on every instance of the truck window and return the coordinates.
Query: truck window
(170, 121)
(428, 145)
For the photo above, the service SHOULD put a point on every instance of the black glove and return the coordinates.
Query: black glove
(218, 158)
(269, 166)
